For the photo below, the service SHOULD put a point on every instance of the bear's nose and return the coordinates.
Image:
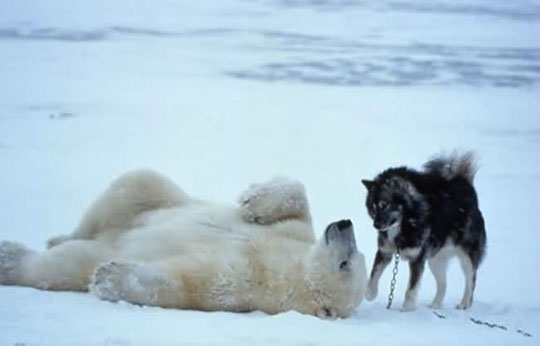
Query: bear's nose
(377, 224)
(343, 224)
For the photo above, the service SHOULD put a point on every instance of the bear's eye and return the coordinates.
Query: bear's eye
(383, 205)
(343, 265)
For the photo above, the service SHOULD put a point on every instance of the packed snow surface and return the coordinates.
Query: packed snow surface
(221, 94)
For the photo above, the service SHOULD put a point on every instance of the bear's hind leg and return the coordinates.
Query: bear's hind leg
(66, 267)
(126, 198)
(12, 255)
(135, 283)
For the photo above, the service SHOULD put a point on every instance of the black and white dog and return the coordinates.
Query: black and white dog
(430, 215)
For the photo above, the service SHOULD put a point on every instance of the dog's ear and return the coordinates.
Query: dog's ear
(368, 184)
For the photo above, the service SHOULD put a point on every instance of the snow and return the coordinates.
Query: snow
(221, 94)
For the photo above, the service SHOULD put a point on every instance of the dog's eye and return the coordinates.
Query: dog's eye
(383, 205)
(343, 265)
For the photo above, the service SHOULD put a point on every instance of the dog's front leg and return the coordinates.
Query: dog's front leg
(416, 268)
(379, 264)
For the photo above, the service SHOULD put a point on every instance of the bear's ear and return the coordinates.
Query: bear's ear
(368, 184)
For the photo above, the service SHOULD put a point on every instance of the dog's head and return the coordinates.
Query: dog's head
(389, 199)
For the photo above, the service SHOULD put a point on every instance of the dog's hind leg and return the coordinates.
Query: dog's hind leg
(438, 266)
(469, 270)
(382, 259)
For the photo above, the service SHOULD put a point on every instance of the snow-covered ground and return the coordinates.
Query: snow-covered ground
(219, 94)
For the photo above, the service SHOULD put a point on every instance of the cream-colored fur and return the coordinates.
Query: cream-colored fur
(147, 242)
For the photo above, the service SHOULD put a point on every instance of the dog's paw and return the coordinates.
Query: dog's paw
(463, 306)
(436, 303)
(11, 255)
(407, 307)
(371, 293)
(435, 306)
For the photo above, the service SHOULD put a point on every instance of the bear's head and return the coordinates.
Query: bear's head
(336, 272)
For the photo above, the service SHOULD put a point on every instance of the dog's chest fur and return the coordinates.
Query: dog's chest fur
(409, 247)
(410, 241)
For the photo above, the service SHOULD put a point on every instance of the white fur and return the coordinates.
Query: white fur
(146, 241)
(439, 265)
(394, 230)
(410, 253)
(467, 267)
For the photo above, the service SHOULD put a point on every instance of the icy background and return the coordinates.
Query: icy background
(219, 94)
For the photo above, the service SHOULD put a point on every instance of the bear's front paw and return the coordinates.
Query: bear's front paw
(252, 210)
(255, 205)
(277, 199)
(11, 256)
(326, 314)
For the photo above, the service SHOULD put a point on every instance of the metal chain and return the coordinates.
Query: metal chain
(490, 325)
(498, 326)
(487, 324)
(393, 282)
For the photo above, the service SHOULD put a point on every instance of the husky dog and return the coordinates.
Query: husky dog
(430, 215)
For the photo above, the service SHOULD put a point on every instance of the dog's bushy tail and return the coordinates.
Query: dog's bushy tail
(453, 165)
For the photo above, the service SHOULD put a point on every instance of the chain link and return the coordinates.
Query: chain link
(393, 282)
(488, 324)
(498, 326)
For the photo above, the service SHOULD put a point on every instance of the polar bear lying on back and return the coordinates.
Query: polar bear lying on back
(147, 242)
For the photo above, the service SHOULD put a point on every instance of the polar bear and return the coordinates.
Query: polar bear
(147, 242)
